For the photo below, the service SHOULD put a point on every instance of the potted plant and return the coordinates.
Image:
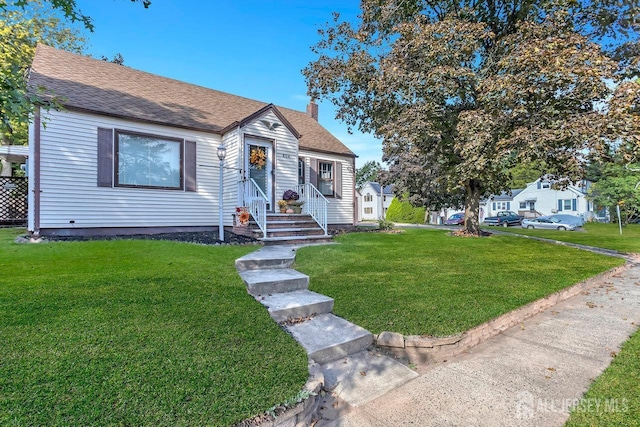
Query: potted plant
(291, 199)
(282, 205)
(296, 206)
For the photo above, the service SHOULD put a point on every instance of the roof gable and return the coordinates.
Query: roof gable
(375, 187)
(91, 85)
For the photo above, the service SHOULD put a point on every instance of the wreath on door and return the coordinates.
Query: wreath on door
(258, 158)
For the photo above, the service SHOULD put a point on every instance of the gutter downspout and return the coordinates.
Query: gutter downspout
(36, 171)
(355, 197)
(240, 163)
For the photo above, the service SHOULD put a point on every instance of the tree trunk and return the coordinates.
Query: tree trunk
(472, 207)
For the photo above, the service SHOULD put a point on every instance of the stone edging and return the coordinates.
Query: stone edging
(426, 349)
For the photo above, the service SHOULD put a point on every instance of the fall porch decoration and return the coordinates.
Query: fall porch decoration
(243, 215)
(258, 157)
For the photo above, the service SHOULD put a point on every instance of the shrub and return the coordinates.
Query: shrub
(385, 225)
(402, 211)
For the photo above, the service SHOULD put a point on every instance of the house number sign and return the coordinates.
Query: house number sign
(286, 156)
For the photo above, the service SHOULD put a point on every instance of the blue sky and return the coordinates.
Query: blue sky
(251, 48)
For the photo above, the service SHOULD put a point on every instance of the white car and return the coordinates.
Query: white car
(545, 222)
(572, 219)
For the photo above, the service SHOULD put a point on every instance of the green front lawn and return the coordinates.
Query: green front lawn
(425, 282)
(614, 398)
(593, 234)
(136, 333)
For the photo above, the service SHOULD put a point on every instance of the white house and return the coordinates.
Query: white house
(539, 199)
(372, 205)
(133, 152)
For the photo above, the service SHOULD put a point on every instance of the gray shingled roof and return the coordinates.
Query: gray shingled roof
(102, 87)
(505, 196)
(376, 187)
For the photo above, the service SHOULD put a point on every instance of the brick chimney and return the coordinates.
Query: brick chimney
(312, 110)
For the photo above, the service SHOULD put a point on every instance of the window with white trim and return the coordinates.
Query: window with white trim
(147, 161)
(368, 210)
(325, 178)
(301, 167)
(566, 205)
(368, 197)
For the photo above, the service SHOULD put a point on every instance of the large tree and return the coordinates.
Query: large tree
(23, 24)
(21, 28)
(463, 91)
(368, 172)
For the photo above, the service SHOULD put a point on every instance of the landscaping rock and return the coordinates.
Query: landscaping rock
(390, 339)
(26, 239)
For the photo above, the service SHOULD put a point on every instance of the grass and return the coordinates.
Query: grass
(593, 234)
(136, 333)
(425, 282)
(613, 399)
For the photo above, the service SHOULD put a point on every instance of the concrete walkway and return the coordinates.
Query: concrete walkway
(529, 375)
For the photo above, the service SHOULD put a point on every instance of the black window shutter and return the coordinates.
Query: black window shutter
(338, 182)
(105, 157)
(190, 183)
(313, 172)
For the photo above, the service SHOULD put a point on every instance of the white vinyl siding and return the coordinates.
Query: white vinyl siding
(70, 196)
(285, 151)
(341, 210)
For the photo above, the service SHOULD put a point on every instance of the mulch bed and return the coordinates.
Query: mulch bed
(199, 237)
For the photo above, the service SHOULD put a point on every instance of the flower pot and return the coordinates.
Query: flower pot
(297, 209)
(289, 211)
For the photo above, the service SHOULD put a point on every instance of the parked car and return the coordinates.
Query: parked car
(504, 219)
(545, 222)
(455, 219)
(572, 219)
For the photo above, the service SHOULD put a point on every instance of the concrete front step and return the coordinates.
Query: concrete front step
(288, 217)
(267, 258)
(273, 281)
(327, 337)
(296, 240)
(274, 225)
(290, 232)
(296, 304)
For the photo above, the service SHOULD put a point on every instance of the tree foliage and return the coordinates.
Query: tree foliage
(23, 24)
(69, 9)
(619, 185)
(368, 172)
(21, 28)
(463, 91)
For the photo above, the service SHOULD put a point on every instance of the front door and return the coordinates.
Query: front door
(258, 162)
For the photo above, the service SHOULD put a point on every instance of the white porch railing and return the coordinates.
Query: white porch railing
(315, 204)
(256, 202)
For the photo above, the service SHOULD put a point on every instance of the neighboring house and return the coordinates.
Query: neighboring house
(540, 199)
(134, 152)
(371, 204)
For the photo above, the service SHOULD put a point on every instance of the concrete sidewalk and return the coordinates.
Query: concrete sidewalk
(530, 375)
